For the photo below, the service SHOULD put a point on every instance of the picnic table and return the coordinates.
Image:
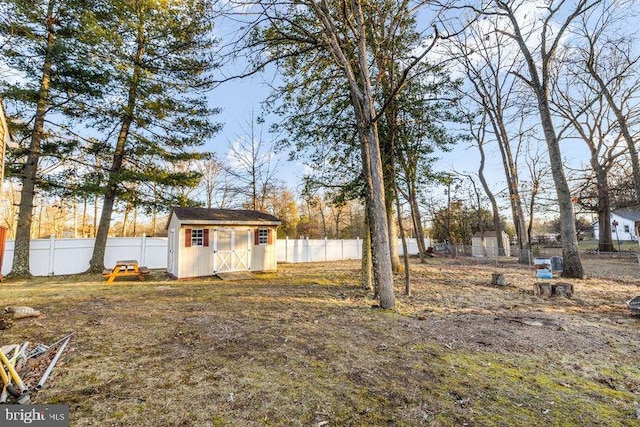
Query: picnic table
(127, 267)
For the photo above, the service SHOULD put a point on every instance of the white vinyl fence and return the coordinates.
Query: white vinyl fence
(53, 256)
(71, 256)
(318, 250)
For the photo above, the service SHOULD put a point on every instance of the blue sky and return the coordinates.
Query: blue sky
(238, 99)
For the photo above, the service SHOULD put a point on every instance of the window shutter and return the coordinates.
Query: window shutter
(187, 238)
(256, 237)
(269, 236)
(205, 236)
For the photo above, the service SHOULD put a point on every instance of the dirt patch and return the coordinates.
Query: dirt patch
(304, 347)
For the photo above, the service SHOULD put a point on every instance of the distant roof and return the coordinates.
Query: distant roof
(633, 215)
(224, 216)
(487, 234)
(630, 214)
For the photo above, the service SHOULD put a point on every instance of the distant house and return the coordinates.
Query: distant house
(486, 244)
(623, 225)
(205, 242)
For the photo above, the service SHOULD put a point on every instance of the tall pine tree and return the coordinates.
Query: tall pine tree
(158, 63)
(46, 51)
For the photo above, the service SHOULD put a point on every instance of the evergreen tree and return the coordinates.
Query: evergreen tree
(158, 64)
(47, 52)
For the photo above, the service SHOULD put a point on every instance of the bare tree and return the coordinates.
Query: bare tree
(211, 171)
(579, 101)
(491, 63)
(538, 39)
(613, 69)
(479, 136)
(251, 166)
(539, 172)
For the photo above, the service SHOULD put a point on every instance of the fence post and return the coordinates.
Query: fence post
(342, 249)
(286, 248)
(143, 249)
(325, 248)
(52, 255)
(308, 255)
(358, 247)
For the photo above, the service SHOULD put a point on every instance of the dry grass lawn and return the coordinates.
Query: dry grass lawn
(305, 347)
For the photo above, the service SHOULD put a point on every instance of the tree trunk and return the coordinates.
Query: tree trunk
(380, 254)
(363, 103)
(125, 219)
(494, 205)
(494, 109)
(571, 257)
(22, 247)
(387, 153)
(95, 215)
(393, 234)
(605, 239)
(409, 169)
(367, 270)
(535, 188)
(539, 83)
(84, 217)
(405, 249)
(513, 184)
(417, 222)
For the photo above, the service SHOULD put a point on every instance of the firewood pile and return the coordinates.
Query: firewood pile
(26, 368)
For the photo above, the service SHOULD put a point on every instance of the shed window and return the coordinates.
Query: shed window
(626, 228)
(196, 237)
(263, 236)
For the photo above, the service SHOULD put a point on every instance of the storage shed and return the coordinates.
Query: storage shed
(205, 242)
(486, 244)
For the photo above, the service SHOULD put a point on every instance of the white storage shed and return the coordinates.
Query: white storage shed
(205, 242)
(486, 244)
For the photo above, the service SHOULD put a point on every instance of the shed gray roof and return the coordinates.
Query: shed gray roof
(224, 216)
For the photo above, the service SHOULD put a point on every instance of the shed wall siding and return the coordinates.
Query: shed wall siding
(198, 261)
(195, 261)
(174, 259)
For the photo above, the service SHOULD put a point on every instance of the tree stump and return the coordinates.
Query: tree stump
(548, 290)
(563, 289)
(497, 279)
(542, 289)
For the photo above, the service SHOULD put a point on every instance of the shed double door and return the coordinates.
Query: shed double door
(231, 250)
